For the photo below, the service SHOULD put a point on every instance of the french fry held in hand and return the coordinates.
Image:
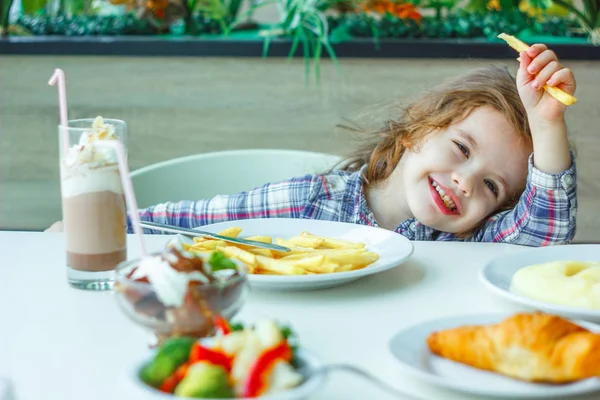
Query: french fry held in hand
(555, 92)
(309, 255)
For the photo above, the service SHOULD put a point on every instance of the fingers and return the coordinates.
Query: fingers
(540, 61)
(542, 77)
(564, 79)
(523, 76)
(536, 49)
(525, 60)
(542, 66)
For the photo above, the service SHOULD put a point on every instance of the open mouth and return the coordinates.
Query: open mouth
(442, 199)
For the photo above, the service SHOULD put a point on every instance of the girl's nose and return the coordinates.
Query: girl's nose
(464, 184)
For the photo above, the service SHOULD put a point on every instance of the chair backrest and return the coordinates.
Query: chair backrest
(206, 175)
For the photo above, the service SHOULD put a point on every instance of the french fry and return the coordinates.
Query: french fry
(231, 232)
(310, 254)
(293, 249)
(262, 239)
(326, 268)
(513, 42)
(259, 251)
(260, 271)
(315, 264)
(354, 259)
(333, 253)
(278, 266)
(558, 94)
(335, 243)
(344, 268)
(306, 241)
(240, 254)
(187, 247)
(199, 250)
(292, 246)
(210, 244)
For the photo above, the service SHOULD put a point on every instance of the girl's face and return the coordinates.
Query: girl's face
(458, 176)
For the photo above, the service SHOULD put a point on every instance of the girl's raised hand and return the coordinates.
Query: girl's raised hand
(540, 66)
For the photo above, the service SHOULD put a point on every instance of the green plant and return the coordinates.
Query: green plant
(221, 12)
(75, 7)
(33, 7)
(439, 6)
(5, 6)
(588, 16)
(305, 22)
(82, 25)
(490, 5)
(216, 10)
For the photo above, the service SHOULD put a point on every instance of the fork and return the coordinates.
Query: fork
(195, 233)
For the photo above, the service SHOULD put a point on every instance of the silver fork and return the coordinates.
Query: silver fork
(196, 232)
(363, 374)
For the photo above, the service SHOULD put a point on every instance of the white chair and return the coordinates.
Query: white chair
(206, 175)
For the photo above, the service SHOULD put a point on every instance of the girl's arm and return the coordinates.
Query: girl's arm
(538, 67)
(272, 200)
(547, 209)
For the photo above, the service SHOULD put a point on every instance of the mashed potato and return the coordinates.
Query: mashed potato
(569, 283)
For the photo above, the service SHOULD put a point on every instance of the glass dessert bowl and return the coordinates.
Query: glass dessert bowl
(177, 293)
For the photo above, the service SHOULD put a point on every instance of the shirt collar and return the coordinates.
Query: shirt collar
(357, 202)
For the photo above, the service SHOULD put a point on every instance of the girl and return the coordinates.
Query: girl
(480, 158)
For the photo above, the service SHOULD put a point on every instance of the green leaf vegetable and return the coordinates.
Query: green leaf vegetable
(205, 380)
(218, 261)
(173, 353)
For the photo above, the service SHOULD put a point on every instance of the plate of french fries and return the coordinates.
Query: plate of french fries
(322, 253)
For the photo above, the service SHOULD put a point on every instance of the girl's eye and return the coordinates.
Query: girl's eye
(492, 186)
(464, 149)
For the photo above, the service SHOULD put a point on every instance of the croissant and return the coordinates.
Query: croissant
(533, 347)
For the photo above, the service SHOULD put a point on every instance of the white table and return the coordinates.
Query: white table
(61, 343)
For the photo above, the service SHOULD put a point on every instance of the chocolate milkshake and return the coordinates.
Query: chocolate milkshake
(93, 204)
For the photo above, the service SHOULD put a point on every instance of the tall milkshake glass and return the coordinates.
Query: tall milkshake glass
(93, 201)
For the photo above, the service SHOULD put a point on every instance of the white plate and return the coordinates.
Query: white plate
(393, 249)
(497, 276)
(139, 390)
(409, 347)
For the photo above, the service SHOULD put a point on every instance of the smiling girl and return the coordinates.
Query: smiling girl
(483, 157)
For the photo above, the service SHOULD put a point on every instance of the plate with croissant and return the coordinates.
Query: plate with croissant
(524, 355)
(561, 280)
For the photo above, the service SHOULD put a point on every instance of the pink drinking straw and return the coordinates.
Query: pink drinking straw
(59, 76)
(128, 188)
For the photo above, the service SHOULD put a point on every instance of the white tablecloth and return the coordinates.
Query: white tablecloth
(61, 343)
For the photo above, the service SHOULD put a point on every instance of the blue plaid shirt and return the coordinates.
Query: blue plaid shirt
(544, 215)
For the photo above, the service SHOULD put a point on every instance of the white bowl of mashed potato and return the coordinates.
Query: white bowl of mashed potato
(563, 280)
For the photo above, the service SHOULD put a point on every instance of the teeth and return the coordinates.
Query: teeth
(449, 203)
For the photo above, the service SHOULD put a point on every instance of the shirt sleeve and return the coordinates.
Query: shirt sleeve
(286, 199)
(544, 215)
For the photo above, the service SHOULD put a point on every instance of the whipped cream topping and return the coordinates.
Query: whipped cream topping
(84, 180)
(169, 284)
(86, 152)
(89, 168)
